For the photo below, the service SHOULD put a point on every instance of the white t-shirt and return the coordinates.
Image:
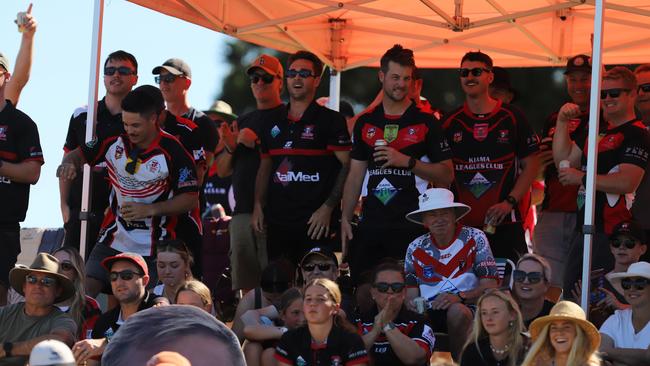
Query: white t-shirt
(619, 328)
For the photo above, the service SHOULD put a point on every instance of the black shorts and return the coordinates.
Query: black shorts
(292, 242)
(10, 240)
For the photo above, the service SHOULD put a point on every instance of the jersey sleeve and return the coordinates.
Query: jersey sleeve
(423, 335)
(94, 151)
(360, 149)
(438, 148)
(182, 171)
(29, 144)
(71, 142)
(338, 138)
(356, 353)
(284, 351)
(484, 264)
(527, 141)
(636, 148)
(195, 145)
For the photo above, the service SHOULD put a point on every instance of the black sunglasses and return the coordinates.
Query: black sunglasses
(266, 78)
(126, 275)
(122, 70)
(167, 78)
(303, 73)
(477, 71)
(639, 283)
(384, 286)
(45, 281)
(629, 244)
(644, 87)
(67, 266)
(321, 266)
(533, 277)
(614, 93)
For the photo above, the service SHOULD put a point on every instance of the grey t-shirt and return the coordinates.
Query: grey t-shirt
(18, 326)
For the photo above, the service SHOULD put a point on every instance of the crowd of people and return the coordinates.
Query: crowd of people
(375, 239)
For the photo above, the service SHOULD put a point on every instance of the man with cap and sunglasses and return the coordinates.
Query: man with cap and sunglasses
(240, 158)
(25, 324)
(21, 158)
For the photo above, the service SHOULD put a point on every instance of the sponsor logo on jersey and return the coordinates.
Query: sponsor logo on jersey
(5, 180)
(481, 131)
(288, 145)
(390, 132)
(479, 185)
(428, 272)
(336, 361)
(384, 191)
(412, 131)
(458, 136)
(3, 132)
(275, 131)
(308, 133)
(503, 137)
(198, 154)
(119, 151)
(186, 178)
(371, 133)
(610, 142)
(285, 174)
(300, 361)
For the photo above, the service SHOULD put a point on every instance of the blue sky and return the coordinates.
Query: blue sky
(60, 73)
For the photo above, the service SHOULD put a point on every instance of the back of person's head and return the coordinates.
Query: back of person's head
(308, 56)
(399, 55)
(288, 297)
(122, 56)
(623, 74)
(478, 56)
(192, 332)
(144, 100)
(51, 352)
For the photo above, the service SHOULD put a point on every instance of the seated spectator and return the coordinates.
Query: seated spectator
(394, 335)
(25, 324)
(174, 265)
(191, 332)
(327, 338)
(626, 334)
(261, 339)
(496, 337)
(563, 338)
(531, 282)
(450, 266)
(194, 293)
(51, 353)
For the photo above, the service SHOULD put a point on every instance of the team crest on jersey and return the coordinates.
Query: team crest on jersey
(308, 133)
(301, 361)
(336, 361)
(390, 133)
(186, 178)
(153, 166)
(275, 131)
(3, 132)
(119, 151)
(481, 131)
(610, 142)
(384, 191)
(288, 145)
(503, 137)
(427, 272)
(412, 131)
(371, 133)
(458, 136)
(479, 185)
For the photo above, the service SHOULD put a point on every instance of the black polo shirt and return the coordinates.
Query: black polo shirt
(19, 142)
(109, 322)
(342, 348)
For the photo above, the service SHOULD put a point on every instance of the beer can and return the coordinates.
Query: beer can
(21, 20)
(564, 164)
(380, 142)
(420, 304)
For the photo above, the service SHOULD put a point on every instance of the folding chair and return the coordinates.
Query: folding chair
(505, 275)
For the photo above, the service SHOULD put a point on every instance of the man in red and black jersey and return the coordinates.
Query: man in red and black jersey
(305, 160)
(21, 158)
(416, 155)
(622, 158)
(153, 180)
(491, 141)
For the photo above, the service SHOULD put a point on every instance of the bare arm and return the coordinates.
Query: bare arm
(441, 174)
(23, 67)
(626, 180)
(351, 193)
(483, 284)
(530, 165)
(334, 198)
(182, 203)
(224, 163)
(563, 147)
(258, 333)
(405, 348)
(623, 356)
(23, 172)
(261, 187)
(24, 348)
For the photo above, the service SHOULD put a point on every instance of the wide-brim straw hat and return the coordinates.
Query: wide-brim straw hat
(568, 311)
(638, 269)
(436, 199)
(47, 264)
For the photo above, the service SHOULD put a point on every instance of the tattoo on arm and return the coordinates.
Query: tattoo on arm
(334, 198)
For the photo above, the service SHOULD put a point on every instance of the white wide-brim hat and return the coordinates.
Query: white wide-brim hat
(436, 199)
(638, 269)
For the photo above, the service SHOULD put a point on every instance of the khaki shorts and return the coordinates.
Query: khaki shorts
(247, 253)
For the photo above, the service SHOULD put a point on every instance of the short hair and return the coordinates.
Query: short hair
(399, 55)
(624, 74)
(478, 56)
(144, 100)
(546, 267)
(120, 55)
(388, 266)
(642, 68)
(306, 55)
(198, 288)
(149, 328)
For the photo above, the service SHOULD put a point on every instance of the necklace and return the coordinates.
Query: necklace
(499, 352)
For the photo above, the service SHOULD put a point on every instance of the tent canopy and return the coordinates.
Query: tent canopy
(350, 33)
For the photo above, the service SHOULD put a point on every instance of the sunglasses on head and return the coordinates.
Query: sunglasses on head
(629, 244)
(167, 78)
(613, 93)
(639, 283)
(266, 78)
(122, 70)
(321, 266)
(477, 71)
(67, 266)
(126, 275)
(45, 281)
(533, 277)
(303, 73)
(384, 286)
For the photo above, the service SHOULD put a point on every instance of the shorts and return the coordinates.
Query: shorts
(10, 240)
(292, 242)
(95, 270)
(552, 241)
(247, 253)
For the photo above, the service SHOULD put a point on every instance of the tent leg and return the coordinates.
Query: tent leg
(335, 90)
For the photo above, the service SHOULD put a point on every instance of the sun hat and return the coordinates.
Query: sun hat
(51, 352)
(568, 311)
(221, 109)
(47, 264)
(436, 199)
(638, 269)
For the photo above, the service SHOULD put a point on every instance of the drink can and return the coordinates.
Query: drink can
(489, 227)
(564, 164)
(420, 304)
(21, 20)
(380, 142)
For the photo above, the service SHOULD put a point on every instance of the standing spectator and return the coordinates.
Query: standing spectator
(531, 282)
(173, 264)
(416, 154)
(626, 334)
(642, 197)
(24, 58)
(394, 335)
(305, 159)
(563, 338)
(240, 158)
(496, 337)
(194, 293)
(120, 75)
(20, 167)
(449, 267)
(491, 141)
(327, 338)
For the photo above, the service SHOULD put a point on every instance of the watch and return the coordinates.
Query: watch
(7, 347)
(411, 164)
(388, 327)
(511, 200)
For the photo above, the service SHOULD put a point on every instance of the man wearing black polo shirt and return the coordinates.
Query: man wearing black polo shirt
(416, 155)
(120, 75)
(305, 160)
(491, 141)
(21, 158)
(240, 158)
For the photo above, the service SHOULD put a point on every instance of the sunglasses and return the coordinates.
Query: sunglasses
(477, 71)
(167, 78)
(67, 266)
(384, 286)
(644, 87)
(266, 78)
(533, 277)
(122, 70)
(629, 244)
(639, 283)
(614, 93)
(45, 281)
(321, 266)
(303, 73)
(126, 275)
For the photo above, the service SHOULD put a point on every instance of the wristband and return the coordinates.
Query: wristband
(7, 347)
(388, 327)
(512, 201)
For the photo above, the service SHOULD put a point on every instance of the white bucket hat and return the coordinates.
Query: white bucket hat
(638, 269)
(436, 199)
(51, 352)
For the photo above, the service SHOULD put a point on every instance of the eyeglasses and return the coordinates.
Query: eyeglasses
(477, 71)
(533, 277)
(126, 275)
(384, 286)
(644, 87)
(266, 78)
(167, 78)
(303, 73)
(45, 281)
(614, 93)
(122, 70)
(629, 244)
(321, 266)
(67, 266)
(639, 283)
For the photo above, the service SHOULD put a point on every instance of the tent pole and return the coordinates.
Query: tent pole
(335, 90)
(594, 118)
(93, 85)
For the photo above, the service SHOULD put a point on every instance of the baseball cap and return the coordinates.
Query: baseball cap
(630, 229)
(4, 61)
(51, 352)
(269, 64)
(134, 258)
(175, 66)
(322, 252)
(578, 63)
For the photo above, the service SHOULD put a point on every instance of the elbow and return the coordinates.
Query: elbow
(34, 176)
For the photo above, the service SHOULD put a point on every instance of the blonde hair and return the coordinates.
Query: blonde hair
(542, 350)
(79, 298)
(515, 338)
(198, 288)
(332, 288)
(546, 267)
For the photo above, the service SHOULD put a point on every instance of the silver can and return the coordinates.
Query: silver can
(380, 142)
(420, 304)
